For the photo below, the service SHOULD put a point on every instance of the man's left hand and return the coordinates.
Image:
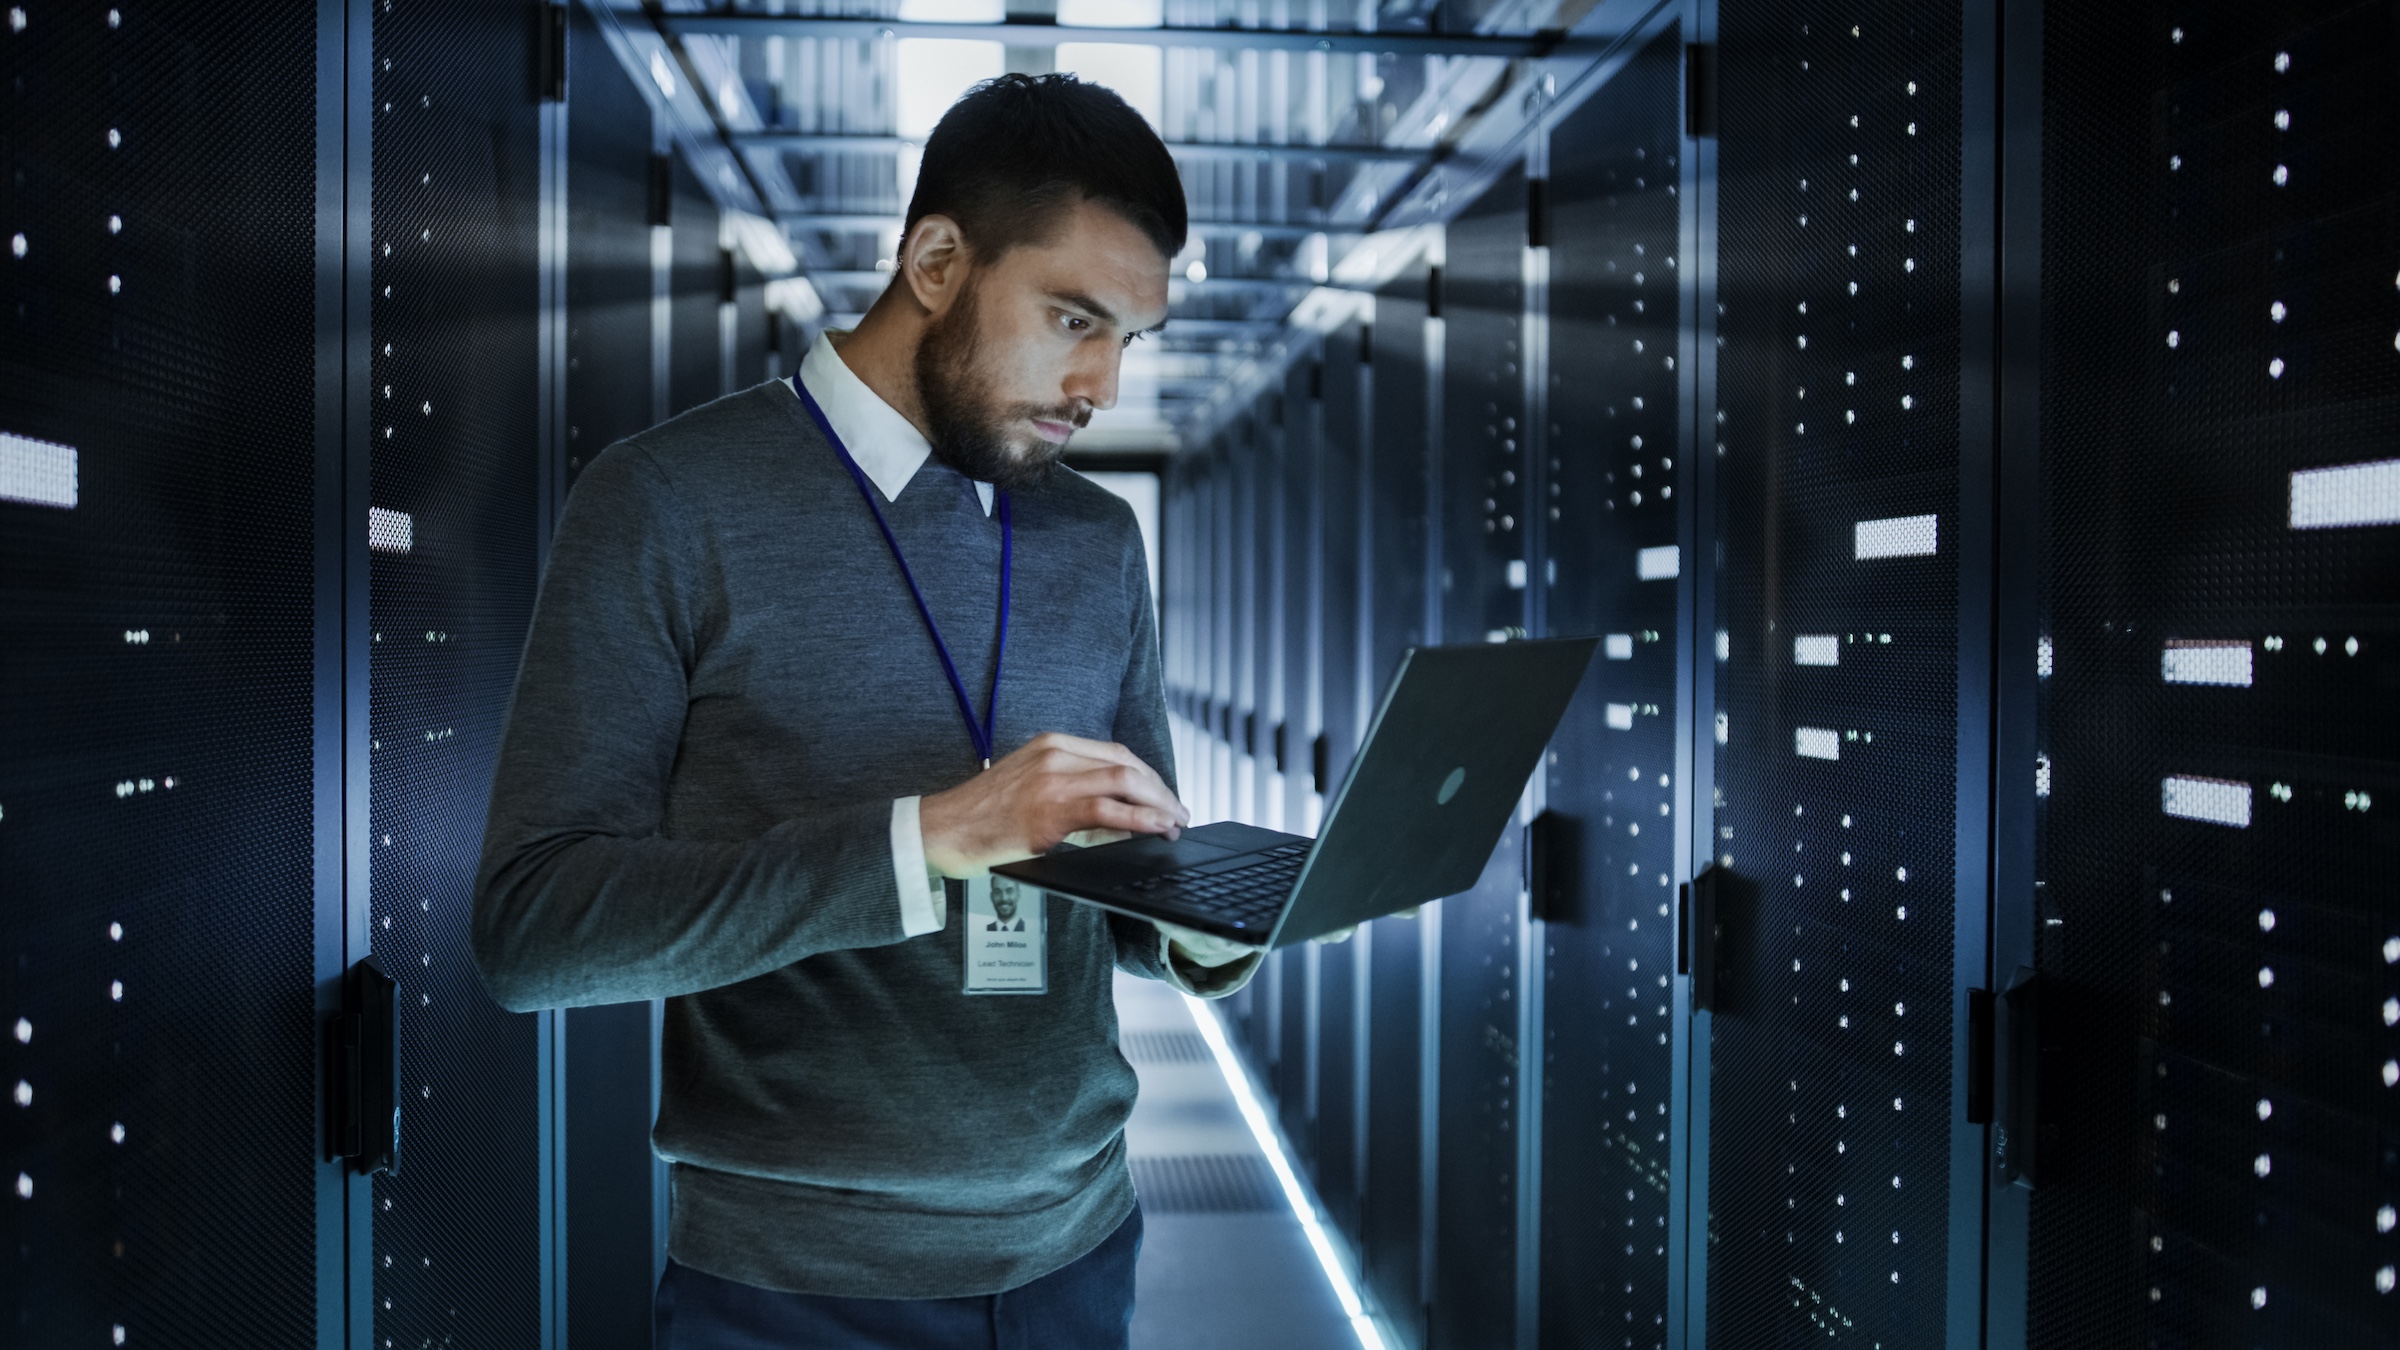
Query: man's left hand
(1202, 949)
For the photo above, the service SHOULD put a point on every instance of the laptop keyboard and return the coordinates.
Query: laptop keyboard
(1247, 895)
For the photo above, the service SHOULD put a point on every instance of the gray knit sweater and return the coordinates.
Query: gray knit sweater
(725, 688)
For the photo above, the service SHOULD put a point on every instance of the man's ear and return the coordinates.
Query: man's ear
(933, 261)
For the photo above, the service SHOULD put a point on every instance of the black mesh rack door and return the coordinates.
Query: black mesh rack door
(612, 391)
(1258, 459)
(1483, 464)
(458, 1233)
(1829, 1057)
(1392, 1212)
(1609, 837)
(159, 457)
(610, 387)
(1223, 611)
(2218, 667)
(1258, 566)
(1342, 1030)
(1297, 1082)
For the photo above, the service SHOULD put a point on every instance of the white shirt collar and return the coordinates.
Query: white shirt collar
(886, 445)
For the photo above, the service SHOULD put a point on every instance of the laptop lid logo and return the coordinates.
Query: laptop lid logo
(1450, 786)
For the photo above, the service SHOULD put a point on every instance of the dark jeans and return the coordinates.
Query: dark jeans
(1084, 1305)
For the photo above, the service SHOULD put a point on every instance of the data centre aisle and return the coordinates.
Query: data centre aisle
(1224, 1261)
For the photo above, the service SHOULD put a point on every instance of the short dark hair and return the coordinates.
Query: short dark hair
(1013, 151)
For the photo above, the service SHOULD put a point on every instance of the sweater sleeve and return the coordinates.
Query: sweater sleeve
(579, 899)
(1141, 726)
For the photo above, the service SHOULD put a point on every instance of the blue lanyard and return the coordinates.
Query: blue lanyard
(979, 732)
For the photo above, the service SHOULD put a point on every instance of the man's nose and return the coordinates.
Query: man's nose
(1095, 382)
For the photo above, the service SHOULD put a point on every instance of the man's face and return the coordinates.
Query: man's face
(1004, 903)
(1032, 346)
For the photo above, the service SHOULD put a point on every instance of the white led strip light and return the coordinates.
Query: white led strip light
(2219, 801)
(38, 473)
(390, 531)
(2347, 494)
(2185, 661)
(1303, 1209)
(1898, 537)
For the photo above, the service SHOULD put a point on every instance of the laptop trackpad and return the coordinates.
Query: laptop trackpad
(1128, 860)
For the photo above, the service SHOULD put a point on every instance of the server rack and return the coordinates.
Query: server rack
(1224, 615)
(1342, 1024)
(170, 660)
(616, 204)
(1395, 1205)
(1479, 537)
(1298, 1084)
(1254, 482)
(1271, 506)
(1837, 899)
(1609, 837)
(460, 1230)
(616, 200)
(2199, 1065)
(307, 461)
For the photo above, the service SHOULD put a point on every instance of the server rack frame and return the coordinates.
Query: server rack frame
(2016, 321)
(345, 1237)
(1695, 683)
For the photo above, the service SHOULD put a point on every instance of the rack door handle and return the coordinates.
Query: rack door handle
(2020, 1137)
(363, 1079)
(1696, 936)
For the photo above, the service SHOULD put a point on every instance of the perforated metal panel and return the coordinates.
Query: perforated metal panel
(1286, 752)
(1341, 1103)
(1607, 1070)
(1221, 716)
(1260, 457)
(1391, 1208)
(1483, 459)
(1838, 431)
(1347, 700)
(1483, 579)
(457, 1234)
(1252, 457)
(157, 533)
(2219, 656)
(1397, 479)
(609, 1053)
(609, 395)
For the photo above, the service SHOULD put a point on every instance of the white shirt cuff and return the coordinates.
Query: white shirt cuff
(923, 905)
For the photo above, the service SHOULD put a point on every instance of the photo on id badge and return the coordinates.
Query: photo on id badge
(1006, 950)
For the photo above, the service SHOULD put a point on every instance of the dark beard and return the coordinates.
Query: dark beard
(968, 430)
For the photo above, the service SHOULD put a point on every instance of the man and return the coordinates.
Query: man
(1004, 908)
(808, 661)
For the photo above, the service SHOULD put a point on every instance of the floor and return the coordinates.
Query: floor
(1224, 1262)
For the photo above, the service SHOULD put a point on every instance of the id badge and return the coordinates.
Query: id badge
(1007, 951)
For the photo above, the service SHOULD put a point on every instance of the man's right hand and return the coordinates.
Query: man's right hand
(1029, 802)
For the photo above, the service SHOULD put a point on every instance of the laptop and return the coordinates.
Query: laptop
(1416, 818)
